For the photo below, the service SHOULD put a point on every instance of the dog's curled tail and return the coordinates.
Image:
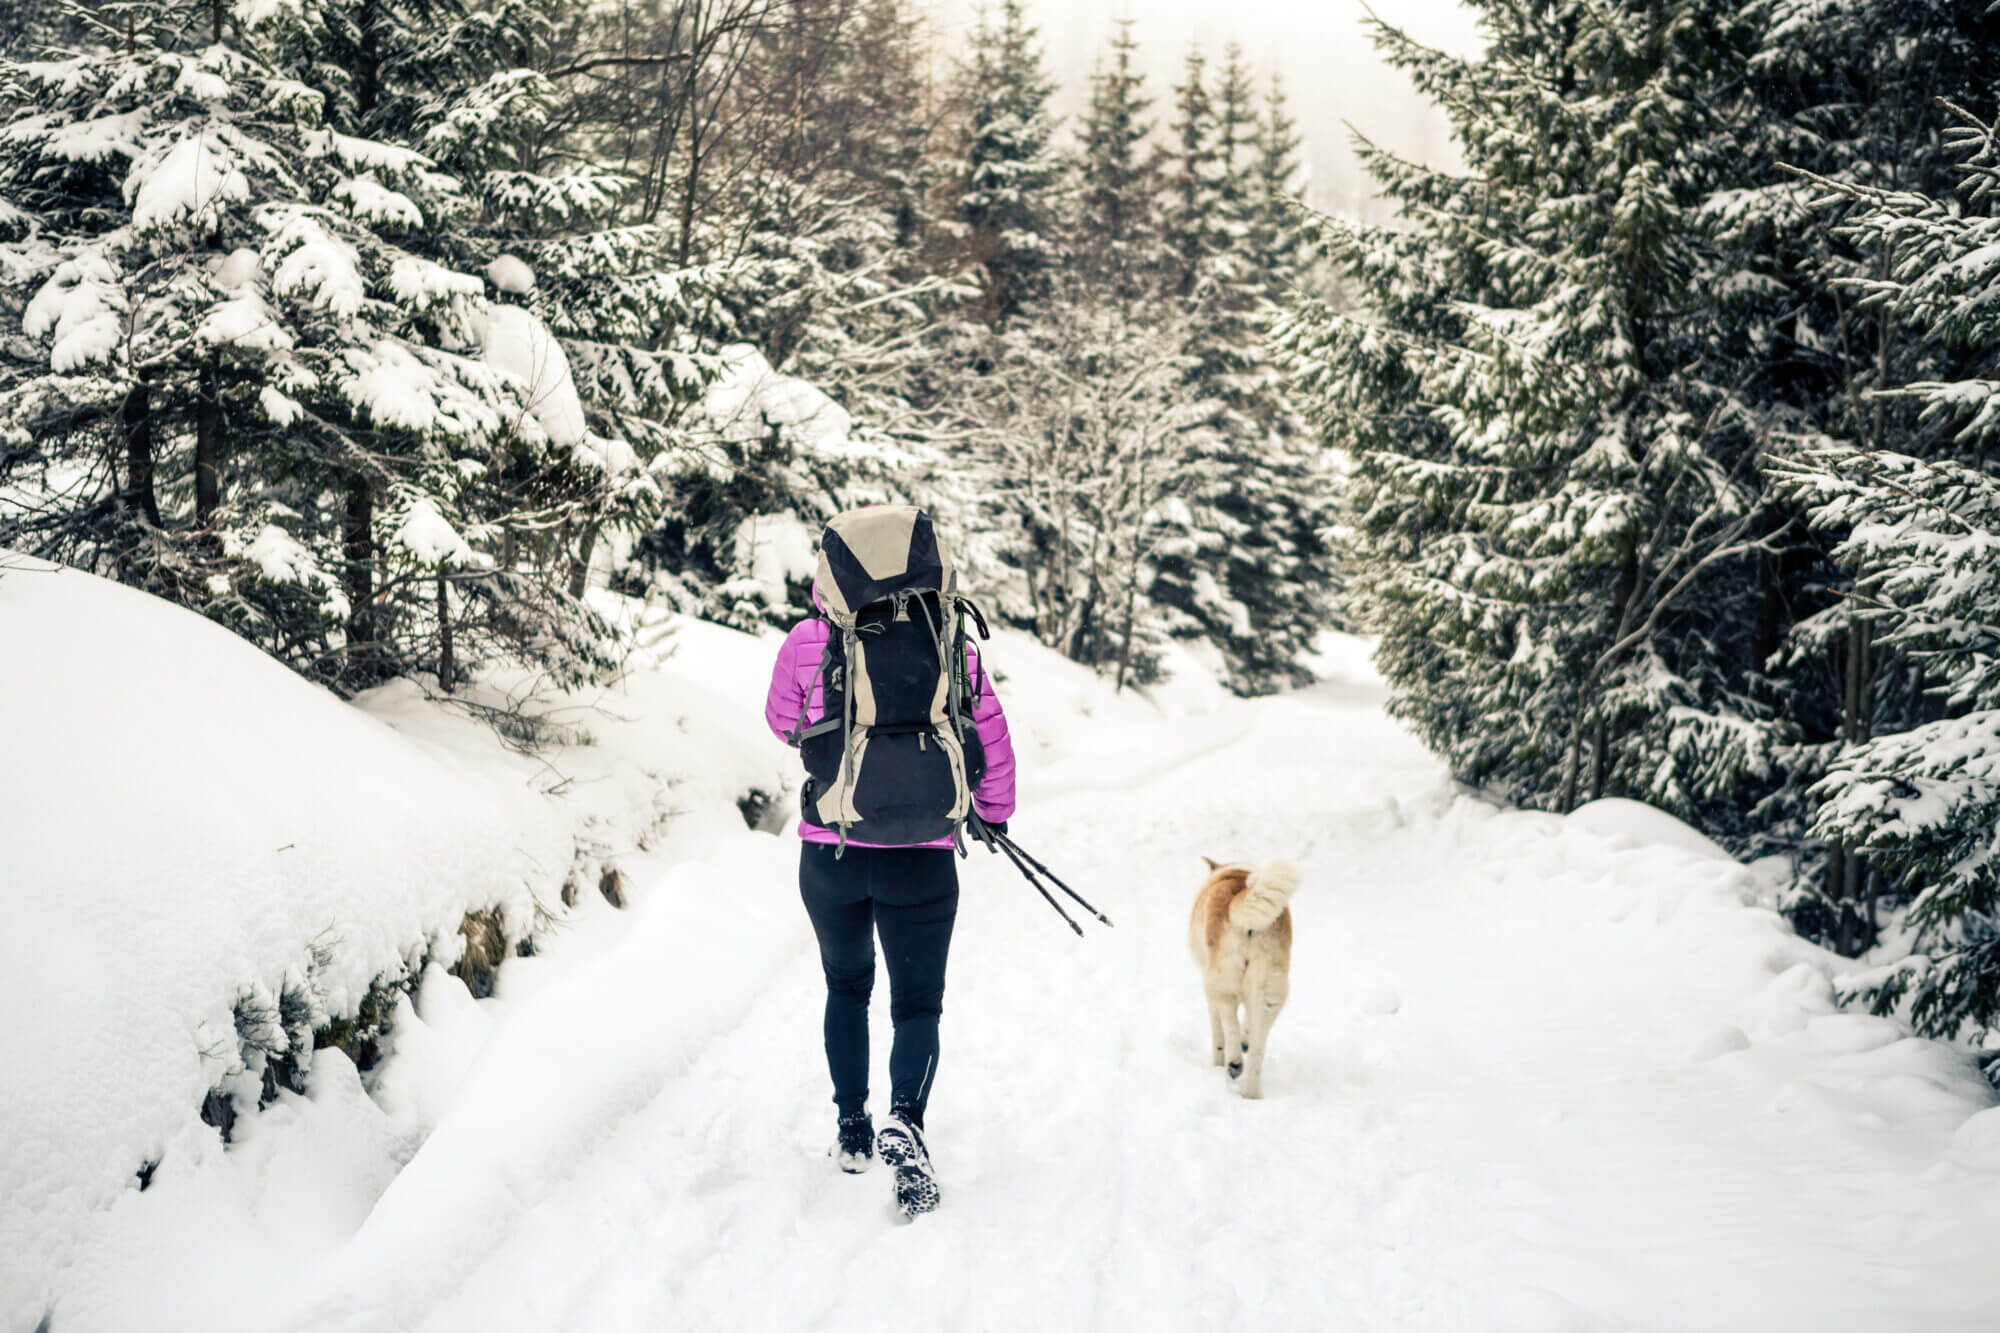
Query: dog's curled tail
(1265, 893)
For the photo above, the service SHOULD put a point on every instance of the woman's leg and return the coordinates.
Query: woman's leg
(916, 902)
(836, 898)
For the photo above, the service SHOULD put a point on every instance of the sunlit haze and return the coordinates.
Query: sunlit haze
(1331, 69)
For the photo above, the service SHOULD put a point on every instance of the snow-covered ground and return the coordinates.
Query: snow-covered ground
(1536, 1074)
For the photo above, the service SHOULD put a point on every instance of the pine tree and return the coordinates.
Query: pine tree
(271, 302)
(1847, 93)
(1917, 520)
(1014, 188)
(1118, 243)
(1557, 518)
(1275, 244)
(1245, 566)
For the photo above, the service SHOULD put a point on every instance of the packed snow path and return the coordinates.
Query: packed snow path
(1531, 1077)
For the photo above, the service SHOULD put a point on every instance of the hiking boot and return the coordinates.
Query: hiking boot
(900, 1142)
(856, 1145)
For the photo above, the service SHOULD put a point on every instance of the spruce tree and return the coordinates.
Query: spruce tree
(1553, 478)
(1244, 565)
(1118, 243)
(1916, 518)
(1014, 186)
(318, 405)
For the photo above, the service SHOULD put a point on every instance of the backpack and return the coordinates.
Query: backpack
(895, 756)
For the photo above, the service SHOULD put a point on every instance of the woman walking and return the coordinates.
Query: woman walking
(904, 742)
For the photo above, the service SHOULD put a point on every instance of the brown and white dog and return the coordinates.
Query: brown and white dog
(1241, 937)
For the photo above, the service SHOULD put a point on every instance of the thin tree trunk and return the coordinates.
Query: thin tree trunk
(579, 569)
(446, 668)
(1600, 759)
(136, 424)
(207, 443)
(359, 547)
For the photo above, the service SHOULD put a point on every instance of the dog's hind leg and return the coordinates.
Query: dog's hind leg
(1228, 1032)
(1264, 994)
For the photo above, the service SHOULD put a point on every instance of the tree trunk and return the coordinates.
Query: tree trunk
(1600, 759)
(579, 569)
(363, 655)
(207, 443)
(136, 423)
(1849, 872)
(445, 665)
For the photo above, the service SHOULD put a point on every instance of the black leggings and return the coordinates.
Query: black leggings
(910, 895)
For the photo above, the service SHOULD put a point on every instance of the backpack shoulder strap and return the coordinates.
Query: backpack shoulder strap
(818, 675)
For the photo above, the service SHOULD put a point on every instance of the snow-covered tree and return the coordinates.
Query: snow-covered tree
(1118, 244)
(1917, 522)
(1014, 187)
(1550, 469)
(254, 257)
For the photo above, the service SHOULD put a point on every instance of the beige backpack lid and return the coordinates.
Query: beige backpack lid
(873, 552)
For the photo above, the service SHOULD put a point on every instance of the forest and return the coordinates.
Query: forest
(1652, 440)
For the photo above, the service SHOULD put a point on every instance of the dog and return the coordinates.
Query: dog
(1240, 934)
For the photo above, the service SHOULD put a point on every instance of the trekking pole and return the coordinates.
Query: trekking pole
(1007, 849)
(1012, 847)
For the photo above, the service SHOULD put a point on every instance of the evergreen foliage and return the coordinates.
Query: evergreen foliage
(1015, 186)
(1556, 512)
(1918, 527)
(259, 370)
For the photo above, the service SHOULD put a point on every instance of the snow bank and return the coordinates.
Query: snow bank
(186, 820)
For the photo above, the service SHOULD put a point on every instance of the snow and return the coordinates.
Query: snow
(183, 820)
(80, 309)
(509, 274)
(1536, 1072)
(772, 549)
(426, 534)
(235, 270)
(318, 267)
(376, 204)
(422, 283)
(190, 186)
(516, 342)
(748, 397)
(243, 322)
(412, 388)
(1634, 823)
(281, 558)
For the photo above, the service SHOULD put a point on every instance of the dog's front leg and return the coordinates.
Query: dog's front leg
(1215, 1026)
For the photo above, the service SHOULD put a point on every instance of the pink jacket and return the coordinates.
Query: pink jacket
(798, 664)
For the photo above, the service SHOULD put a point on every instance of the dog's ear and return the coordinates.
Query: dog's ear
(1213, 866)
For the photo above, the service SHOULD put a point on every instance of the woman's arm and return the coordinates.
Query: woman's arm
(786, 700)
(994, 799)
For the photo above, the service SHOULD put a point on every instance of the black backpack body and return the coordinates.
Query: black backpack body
(895, 756)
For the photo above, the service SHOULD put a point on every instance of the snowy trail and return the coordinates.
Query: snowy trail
(1531, 1077)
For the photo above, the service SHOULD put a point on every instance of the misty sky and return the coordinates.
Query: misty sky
(1331, 69)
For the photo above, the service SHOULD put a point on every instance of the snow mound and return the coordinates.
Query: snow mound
(1628, 823)
(185, 821)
